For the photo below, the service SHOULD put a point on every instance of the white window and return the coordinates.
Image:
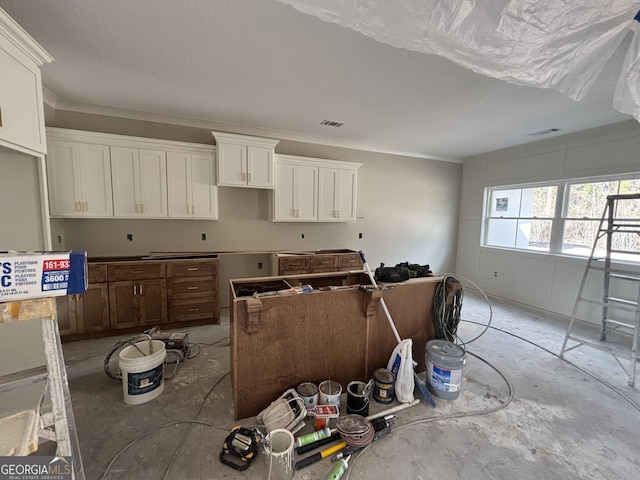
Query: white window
(561, 217)
(521, 217)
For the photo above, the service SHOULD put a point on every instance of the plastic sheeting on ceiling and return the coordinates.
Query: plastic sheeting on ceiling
(558, 44)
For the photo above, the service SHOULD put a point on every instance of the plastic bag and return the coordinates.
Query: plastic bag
(401, 364)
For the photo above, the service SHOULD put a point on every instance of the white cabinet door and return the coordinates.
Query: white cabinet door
(79, 179)
(259, 167)
(295, 195)
(336, 195)
(153, 183)
(307, 193)
(21, 103)
(139, 182)
(232, 164)
(191, 186)
(125, 173)
(285, 202)
(204, 189)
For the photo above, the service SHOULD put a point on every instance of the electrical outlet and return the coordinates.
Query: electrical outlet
(302, 235)
(259, 265)
(360, 235)
(59, 238)
(495, 274)
(203, 236)
(130, 237)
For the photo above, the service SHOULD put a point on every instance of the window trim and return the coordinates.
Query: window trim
(563, 188)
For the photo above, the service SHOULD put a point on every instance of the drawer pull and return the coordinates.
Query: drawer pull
(193, 288)
(194, 309)
(137, 271)
(192, 269)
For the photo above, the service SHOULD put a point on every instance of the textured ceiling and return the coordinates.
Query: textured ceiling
(260, 67)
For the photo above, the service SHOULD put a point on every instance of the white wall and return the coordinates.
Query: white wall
(20, 207)
(407, 211)
(550, 282)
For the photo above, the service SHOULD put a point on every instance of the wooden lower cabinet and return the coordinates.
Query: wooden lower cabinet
(138, 303)
(134, 295)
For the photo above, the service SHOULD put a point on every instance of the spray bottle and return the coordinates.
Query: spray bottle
(342, 466)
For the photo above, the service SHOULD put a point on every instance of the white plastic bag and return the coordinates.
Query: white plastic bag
(401, 364)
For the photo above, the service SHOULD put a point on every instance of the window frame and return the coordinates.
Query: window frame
(558, 221)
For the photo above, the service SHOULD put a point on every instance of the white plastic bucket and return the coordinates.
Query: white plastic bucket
(142, 371)
(279, 454)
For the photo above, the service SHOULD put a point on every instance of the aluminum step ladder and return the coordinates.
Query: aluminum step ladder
(618, 313)
(58, 424)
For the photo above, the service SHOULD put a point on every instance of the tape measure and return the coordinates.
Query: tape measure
(239, 448)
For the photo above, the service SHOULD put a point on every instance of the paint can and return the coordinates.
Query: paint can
(330, 392)
(383, 385)
(278, 451)
(142, 370)
(309, 393)
(445, 363)
(358, 398)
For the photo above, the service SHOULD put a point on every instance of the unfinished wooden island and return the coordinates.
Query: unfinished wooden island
(279, 341)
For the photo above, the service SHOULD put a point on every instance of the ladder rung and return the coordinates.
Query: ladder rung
(624, 277)
(620, 323)
(622, 301)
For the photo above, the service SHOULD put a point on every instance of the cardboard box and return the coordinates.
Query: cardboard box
(26, 275)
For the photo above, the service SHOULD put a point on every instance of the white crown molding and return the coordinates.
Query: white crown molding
(20, 39)
(50, 98)
(66, 105)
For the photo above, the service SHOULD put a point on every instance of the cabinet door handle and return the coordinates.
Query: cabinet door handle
(137, 271)
(194, 309)
(243, 177)
(192, 269)
(141, 290)
(192, 288)
(338, 212)
(135, 290)
(249, 177)
(78, 207)
(85, 206)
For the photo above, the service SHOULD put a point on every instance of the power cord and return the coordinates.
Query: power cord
(170, 424)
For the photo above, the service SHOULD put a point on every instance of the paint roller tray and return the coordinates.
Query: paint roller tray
(251, 288)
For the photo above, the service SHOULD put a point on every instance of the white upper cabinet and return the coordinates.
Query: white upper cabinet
(79, 180)
(314, 190)
(191, 186)
(103, 175)
(21, 100)
(296, 193)
(139, 181)
(337, 194)
(245, 161)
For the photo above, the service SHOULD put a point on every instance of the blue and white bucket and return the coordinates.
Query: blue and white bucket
(445, 364)
(142, 371)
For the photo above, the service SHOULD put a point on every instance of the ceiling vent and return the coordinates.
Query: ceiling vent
(331, 123)
(544, 132)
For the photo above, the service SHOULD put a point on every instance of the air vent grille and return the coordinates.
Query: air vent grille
(331, 123)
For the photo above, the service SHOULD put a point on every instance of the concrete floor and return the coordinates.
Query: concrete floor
(561, 424)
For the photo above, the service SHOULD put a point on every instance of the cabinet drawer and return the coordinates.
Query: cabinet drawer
(194, 286)
(136, 271)
(324, 262)
(297, 263)
(96, 272)
(192, 269)
(350, 261)
(182, 310)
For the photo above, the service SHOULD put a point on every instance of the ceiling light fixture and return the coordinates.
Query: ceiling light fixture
(545, 132)
(331, 123)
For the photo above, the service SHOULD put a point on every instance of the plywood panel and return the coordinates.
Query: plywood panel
(278, 342)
